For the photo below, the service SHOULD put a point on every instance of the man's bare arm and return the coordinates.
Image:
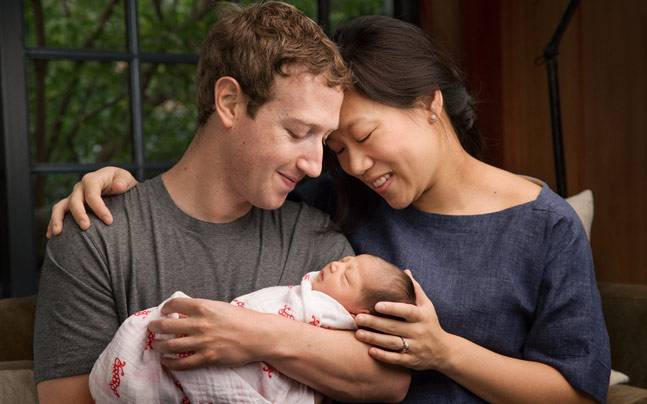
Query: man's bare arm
(330, 361)
(74, 389)
(334, 362)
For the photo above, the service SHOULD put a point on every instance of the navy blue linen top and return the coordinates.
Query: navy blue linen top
(519, 282)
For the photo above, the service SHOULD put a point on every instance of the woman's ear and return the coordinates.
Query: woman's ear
(227, 97)
(433, 105)
(437, 103)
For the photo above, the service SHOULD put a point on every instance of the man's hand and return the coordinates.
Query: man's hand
(208, 333)
(330, 361)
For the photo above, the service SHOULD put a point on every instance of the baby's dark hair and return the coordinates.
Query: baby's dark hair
(393, 285)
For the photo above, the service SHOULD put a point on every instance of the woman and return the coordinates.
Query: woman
(507, 305)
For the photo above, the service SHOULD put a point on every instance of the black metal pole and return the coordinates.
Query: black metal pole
(135, 87)
(556, 127)
(550, 57)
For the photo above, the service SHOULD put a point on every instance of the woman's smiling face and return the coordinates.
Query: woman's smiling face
(394, 151)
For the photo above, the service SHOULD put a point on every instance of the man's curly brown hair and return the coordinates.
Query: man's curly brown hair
(254, 43)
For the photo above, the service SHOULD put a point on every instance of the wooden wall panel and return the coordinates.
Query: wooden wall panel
(526, 29)
(470, 30)
(602, 67)
(482, 61)
(603, 85)
(442, 19)
(614, 137)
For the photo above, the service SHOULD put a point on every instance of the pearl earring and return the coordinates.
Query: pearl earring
(434, 118)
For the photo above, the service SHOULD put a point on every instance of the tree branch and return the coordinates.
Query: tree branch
(68, 94)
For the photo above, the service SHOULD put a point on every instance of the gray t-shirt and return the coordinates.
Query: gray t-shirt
(93, 280)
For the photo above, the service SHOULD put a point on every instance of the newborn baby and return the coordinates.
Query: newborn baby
(129, 370)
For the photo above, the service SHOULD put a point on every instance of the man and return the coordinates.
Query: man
(216, 225)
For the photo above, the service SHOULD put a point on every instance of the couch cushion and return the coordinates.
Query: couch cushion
(621, 394)
(17, 386)
(12, 365)
(17, 328)
(582, 204)
(625, 312)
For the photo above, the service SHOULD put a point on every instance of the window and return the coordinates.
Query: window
(87, 84)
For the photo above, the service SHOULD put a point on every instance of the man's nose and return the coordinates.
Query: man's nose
(310, 162)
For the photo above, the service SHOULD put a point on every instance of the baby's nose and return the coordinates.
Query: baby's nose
(334, 266)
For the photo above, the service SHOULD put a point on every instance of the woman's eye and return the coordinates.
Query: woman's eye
(365, 138)
(340, 151)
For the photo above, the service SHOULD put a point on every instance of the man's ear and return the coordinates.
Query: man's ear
(227, 97)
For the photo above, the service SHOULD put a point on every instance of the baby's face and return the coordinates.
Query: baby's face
(344, 281)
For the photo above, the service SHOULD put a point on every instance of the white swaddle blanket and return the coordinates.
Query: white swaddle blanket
(129, 370)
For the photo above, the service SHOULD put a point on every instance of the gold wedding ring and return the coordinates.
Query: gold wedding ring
(405, 345)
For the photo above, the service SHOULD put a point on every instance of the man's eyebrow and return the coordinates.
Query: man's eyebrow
(302, 122)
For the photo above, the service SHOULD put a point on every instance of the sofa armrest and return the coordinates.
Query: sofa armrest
(625, 312)
(17, 328)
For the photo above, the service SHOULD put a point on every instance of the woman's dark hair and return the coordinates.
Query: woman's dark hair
(395, 63)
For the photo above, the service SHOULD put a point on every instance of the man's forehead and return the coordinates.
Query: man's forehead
(309, 101)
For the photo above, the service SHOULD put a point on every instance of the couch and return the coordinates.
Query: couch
(625, 310)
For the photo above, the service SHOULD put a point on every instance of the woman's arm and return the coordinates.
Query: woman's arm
(495, 378)
(498, 378)
(105, 181)
(330, 361)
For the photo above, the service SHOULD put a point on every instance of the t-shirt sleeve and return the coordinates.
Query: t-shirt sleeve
(568, 332)
(75, 314)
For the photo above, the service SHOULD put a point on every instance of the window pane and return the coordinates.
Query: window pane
(47, 189)
(344, 10)
(169, 108)
(79, 112)
(174, 26)
(75, 24)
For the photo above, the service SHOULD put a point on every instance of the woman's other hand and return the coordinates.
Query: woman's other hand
(105, 181)
(428, 343)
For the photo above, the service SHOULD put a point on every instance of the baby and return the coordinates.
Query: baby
(129, 370)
